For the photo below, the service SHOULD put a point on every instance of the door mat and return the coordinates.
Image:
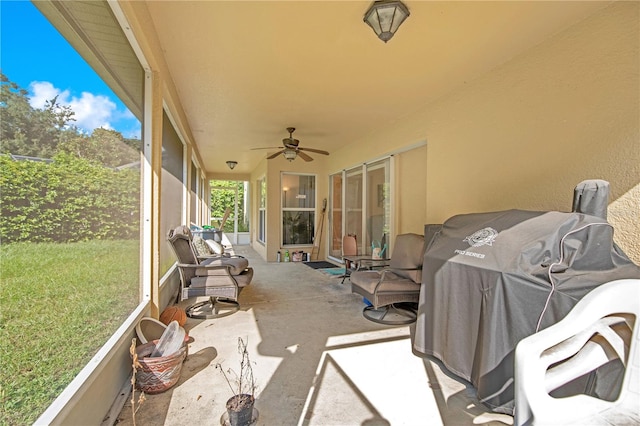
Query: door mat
(321, 264)
(332, 271)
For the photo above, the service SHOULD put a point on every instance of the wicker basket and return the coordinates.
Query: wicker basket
(158, 374)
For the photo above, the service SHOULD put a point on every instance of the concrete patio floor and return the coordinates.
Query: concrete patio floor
(316, 359)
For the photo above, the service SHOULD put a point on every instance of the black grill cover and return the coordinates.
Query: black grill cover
(490, 278)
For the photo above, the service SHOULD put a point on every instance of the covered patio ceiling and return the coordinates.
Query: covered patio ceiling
(245, 70)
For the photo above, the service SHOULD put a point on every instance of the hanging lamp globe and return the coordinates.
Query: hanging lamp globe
(290, 154)
(385, 17)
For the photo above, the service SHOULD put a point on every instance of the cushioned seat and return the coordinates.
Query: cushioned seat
(393, 291)
(236, 265)
(219, 278)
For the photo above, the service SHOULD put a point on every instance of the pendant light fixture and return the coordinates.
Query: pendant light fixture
(385, 16)
(290, 154)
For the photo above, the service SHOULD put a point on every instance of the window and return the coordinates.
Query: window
(172, 189)
(193, 212)
(335, 218)
(262, 210)
(298, 209)
(353, 203)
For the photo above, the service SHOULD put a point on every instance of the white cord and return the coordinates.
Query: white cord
(559, 262)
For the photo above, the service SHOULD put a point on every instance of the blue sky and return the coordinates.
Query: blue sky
(37, 58)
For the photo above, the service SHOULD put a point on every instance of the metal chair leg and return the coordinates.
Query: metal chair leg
(394, 314)
(347, 274)
(213, 308)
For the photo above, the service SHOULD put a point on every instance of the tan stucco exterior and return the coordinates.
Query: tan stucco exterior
(522, 135)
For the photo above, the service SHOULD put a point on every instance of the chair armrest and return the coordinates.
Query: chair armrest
(213, 256)
(192, 266)
(373, 263)
(223, 256)
(209, 256)
(386, 269)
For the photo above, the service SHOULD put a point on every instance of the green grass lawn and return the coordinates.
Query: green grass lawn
(59, 303)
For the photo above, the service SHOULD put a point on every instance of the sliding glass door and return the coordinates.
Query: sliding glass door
(361, 206)
(353, 204)
(378, 207)
(335, 215)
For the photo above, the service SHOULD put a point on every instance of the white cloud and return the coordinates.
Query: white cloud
(91, 111)
(43, 91)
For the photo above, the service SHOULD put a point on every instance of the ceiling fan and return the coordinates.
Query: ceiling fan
(291, 149)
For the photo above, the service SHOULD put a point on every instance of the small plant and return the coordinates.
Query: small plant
(242, 383)
(135, 364)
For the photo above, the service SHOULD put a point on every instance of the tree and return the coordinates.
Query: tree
(223, 195)
(104, 146)
(26, 130)
(81, 193)
(69, 199)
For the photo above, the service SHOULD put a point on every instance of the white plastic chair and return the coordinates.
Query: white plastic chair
(585, 340)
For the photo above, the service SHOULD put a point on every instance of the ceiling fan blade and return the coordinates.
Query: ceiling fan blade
(317, 151)
(304, 156)
(275, 155)
(267, 147)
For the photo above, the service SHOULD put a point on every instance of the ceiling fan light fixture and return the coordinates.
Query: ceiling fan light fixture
(290, 154)
(291, 149)
(232, 164)
(385, 17)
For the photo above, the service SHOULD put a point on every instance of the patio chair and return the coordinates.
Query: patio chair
(349, 248)
(602, 327)
(394, 290)
(219, 278)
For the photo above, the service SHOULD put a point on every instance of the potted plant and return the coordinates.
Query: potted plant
(243, 386)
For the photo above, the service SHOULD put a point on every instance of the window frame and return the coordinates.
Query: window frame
(361, 202)
(261, 235)
(284, 209)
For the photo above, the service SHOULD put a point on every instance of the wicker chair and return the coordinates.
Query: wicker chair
(220, 278)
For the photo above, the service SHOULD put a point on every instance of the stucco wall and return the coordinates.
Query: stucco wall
(524, 134)
(521, 136)
(410, 190)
